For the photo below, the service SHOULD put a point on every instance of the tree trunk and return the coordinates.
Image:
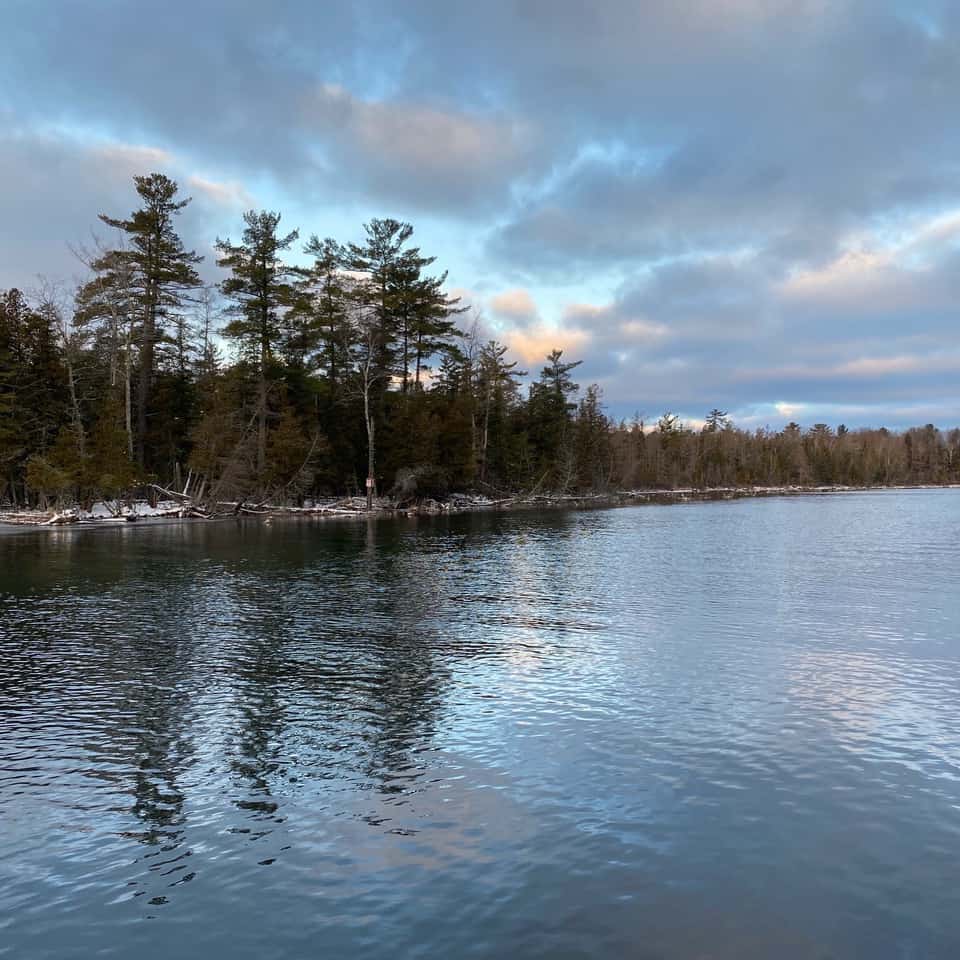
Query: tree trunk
(74, 404)
(371, 446)
(262, 425)
(484, 444)
(127, 399)
(143, 385)
(262, 399)
(485, 436)
(114, 346)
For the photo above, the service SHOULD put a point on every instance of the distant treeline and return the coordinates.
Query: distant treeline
(358, 366)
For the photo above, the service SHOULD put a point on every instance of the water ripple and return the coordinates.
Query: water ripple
(726, 730)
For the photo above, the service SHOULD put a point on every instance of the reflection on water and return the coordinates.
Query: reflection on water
(725, 730)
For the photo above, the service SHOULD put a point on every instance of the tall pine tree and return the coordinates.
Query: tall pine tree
(157, 273)
(262, 290)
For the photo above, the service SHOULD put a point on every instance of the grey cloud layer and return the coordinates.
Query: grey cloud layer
(739, 176)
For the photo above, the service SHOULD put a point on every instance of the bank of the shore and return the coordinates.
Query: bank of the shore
(107, 513)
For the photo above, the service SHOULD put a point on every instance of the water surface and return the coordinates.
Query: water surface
(719, 730)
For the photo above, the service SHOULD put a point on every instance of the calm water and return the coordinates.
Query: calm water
(724, 730)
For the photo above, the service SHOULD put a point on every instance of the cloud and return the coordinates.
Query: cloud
(718, 202)
(882, 366)
(293, 94)
(418, 153)
(63, 183)
(718, 332)
(532, 345)
(60, 187)
(876, 368)
(515, 306)
(232, 195)
(873, 275)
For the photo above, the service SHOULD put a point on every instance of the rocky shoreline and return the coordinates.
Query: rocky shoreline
(178, 508)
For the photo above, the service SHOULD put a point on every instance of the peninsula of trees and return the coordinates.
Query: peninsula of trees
(358, 371)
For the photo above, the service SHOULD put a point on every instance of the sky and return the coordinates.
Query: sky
(745, 204)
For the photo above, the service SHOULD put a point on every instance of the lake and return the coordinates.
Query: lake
(709, 730)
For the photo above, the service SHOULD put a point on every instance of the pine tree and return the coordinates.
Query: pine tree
(593, 442)
(377, 320)
(12, 442)
(262, 290)
(498, 387)
(432, 327)
(156, 272)
(370, 374)
(43, 388)
(105, 314)
(550, 410)
(293, 456)
(383, 263)
(223, 441)
(324, 304)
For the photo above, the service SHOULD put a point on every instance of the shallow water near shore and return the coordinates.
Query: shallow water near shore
(717, 730)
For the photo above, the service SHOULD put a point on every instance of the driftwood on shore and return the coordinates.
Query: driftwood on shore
(180, 505)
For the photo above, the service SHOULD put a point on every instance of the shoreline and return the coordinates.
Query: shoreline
(110, 514)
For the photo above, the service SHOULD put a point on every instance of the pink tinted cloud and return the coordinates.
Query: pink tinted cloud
(515, 305)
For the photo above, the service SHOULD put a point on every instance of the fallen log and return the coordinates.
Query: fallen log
(171, 493)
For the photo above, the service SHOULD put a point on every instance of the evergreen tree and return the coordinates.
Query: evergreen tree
(262, 290)
(33, 383)
(377, 319)
(224, 441)
(498, 387)
(105, 314)
(594, 467)
(325, 290)
(12, 441)
(129, 370)
(383, 265)
(156, 273)
(551, 406)
(434, 329)
(716, 420)
(424, 317)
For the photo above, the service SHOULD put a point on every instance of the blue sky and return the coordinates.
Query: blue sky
(750, 204)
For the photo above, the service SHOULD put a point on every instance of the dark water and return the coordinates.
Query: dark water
(722, 730)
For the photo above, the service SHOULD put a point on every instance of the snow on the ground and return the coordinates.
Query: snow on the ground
(112, 510)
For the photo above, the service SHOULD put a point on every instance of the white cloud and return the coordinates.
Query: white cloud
(516, 306)
(423, 152)
(533, 344)
(226, 193)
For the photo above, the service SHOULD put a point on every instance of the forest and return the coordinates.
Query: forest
(359, 371)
